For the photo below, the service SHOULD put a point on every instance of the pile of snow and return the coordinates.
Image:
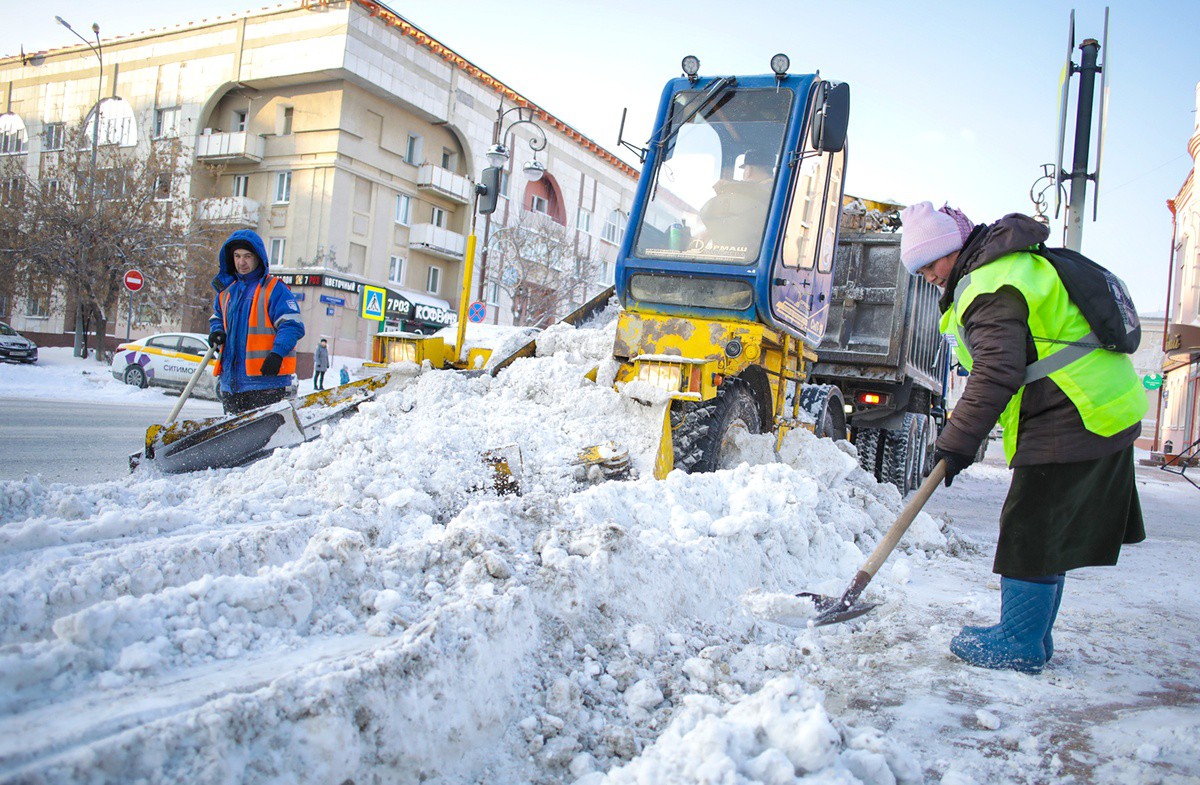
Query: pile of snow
(366, 607)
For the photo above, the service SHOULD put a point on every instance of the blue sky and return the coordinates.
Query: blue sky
(951, 102)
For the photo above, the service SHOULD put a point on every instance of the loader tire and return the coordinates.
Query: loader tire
(867, 440)
(703, 433)
(904, 453)
(816, 400)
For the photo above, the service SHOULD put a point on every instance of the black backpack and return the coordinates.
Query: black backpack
(1101, 296)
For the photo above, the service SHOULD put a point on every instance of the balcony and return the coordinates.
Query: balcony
(444, 183)
(230, 148)
(236, 210)
(437, 241)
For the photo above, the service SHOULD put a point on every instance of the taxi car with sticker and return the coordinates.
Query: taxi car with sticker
(16, 348)
(165, 360)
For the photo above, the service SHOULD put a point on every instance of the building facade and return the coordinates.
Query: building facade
(345, 136)
(1179, 422)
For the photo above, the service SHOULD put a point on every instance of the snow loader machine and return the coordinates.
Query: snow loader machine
(725, 271)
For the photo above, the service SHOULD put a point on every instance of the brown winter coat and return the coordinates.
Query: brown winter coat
(997, 326)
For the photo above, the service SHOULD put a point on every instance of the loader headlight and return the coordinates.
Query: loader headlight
(691, 66)
(780, 64)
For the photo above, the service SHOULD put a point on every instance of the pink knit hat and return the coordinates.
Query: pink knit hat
(930, 234)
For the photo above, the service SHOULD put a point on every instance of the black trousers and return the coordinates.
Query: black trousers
(319, 380)
(236, 403)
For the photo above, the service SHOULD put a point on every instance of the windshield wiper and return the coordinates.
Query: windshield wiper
(700, 101)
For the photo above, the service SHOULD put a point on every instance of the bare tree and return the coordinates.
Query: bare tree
(542, 267)
(73, 230)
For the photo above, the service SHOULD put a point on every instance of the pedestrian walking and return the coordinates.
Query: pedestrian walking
(320, 364)
(1068, 431)
(255, 325)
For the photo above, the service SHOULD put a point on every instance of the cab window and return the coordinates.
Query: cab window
(811, 226)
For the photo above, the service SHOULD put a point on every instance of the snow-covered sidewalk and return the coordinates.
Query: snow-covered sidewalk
(365, 608)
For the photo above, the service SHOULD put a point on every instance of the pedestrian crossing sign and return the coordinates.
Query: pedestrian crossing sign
(373, 300)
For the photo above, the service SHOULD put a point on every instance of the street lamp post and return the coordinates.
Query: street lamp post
(487, 194)
(98, 51)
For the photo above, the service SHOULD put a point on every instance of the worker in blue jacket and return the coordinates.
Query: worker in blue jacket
(255, 326)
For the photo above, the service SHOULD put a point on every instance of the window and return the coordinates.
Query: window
(277, 248)
(11, 190)
(283, 187)
(162, 186)
(403, 209)
(412, 152)
(37, 307)
(168, 343)
(53, 136)
(189, 345)
(583, 221)
(539, 205)
(239, 121)
(51, 188)
(448, 158)
(438, 217)
(396, 269)
(613, 228)
(493, 293)
(166, 123)
(12, 134)
(285, 120)
(241, 184)
(504, 183)
(434, 280)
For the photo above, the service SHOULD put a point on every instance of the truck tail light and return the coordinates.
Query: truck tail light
(872, 399)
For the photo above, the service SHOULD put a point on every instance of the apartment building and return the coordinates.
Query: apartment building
(345, 136)
(1179, 421)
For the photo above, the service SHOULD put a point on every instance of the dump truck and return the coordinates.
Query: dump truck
(884, 351)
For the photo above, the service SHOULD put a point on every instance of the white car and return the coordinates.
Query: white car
(165, 360)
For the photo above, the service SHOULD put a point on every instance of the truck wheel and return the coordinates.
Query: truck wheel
(904, 454)
(867, 441)
(815, 399)
(704, 433)
(931, 435)
(982, 453)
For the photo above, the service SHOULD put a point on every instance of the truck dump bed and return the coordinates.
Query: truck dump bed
(883, 322)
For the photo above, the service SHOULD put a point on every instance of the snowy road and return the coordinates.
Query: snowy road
(66, 441)
(364, 608)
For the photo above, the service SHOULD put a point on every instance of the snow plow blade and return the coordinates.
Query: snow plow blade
(226, 442)
(575, 318)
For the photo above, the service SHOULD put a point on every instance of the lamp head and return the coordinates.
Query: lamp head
(780, 64)
(534, 170)
(691, 67)
(63, 22)
(96, 28)
(497, 155)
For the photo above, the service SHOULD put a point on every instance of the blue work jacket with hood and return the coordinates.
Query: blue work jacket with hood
(282, 308)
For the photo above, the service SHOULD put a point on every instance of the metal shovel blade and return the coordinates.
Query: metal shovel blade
(831, 610)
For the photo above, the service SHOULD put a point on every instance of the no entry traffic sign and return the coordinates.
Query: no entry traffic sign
(134, 280)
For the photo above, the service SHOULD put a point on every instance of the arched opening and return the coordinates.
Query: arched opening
(13, 138)
(117, 123)
(544, 196)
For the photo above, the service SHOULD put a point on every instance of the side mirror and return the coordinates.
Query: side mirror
(961, 371)
(488, 189)
(832, 118)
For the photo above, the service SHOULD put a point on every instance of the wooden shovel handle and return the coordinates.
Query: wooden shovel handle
(187, 391)
(904, 520)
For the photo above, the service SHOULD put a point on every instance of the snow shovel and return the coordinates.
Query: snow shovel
(187, 391)
(831, 610)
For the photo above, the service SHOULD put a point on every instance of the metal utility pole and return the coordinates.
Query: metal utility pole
(1083, 137)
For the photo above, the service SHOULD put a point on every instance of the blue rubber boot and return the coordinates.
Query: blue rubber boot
(1048, 641)
(1017, 642)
